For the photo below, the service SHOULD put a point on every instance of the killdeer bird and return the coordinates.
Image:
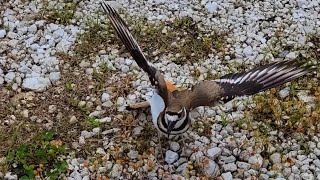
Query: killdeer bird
(170, 107)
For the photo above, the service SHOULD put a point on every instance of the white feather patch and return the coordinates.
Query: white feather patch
(157, 106)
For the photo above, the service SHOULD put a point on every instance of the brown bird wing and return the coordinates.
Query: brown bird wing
(132, 46)
(239, 84)
(205, 93)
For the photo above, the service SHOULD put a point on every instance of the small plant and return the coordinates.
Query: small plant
(63, 14)
(224, 120)
(40, 158)
(92, 122)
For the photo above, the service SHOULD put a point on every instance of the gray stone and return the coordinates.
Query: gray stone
(284, 92)
(227, 176)
(230, 167)
(243, 165)
(291, 55)
(54, 76)
(211, 7)
(212, 168)
(100, 151)
(275, 158)
(263, 177)
(171, 157)
(9, 77)
(137, 130)
(105, 97)
(116, 171)
(317, 163)
(37, 84)
(256, 161)
(214, 152)
(76, 175)
(133, 154)
(2, 33)
(174, 146)
(248, 51)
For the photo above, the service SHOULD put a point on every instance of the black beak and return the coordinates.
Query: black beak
(170, 127)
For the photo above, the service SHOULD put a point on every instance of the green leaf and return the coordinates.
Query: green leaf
(40, 153)
(21, 152)
(30, 174)
(10, 156)
(62, 166)
(24, 178)
(47, 136)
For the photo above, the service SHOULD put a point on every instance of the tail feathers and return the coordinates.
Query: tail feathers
(128, 40)
(261, 78)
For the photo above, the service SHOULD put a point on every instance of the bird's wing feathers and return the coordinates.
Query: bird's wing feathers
(226, 88)
(205, 93)
(260, 78)
(132, 46)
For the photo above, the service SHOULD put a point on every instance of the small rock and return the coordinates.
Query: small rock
(96, 130)
(102, 169)
(284, 92)
(171, 157)
(133, 154)
(211, 7)
(275, 158)
(214, 152)
(86, 134)
(8, 176)
(256, 161)
(227, 176)
(25, 113)
(38, 84)
(291, 55)
(116, 171)
(76, 175)
(137, 130)
(54, 76)
(100, 151)
(104, 120)
(248, 51)
(105, 97)
(302, 95)
(2, 33)
(82, 140)
(52, 108)
(243, 165)
(73, 119)
(263, 177)
(230, 167)
(120, 101)
(212, 168)
(174, 146)
(9, 77)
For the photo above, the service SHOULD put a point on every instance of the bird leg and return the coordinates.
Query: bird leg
(160, 147)
(139, 105)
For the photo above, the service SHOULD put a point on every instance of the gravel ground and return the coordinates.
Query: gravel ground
(63, 71)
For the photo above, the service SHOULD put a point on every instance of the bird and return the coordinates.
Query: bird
(170, 107)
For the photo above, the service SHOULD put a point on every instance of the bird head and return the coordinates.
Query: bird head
(175, 117)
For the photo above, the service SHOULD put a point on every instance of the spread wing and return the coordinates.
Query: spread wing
(132, 46)
(246, 83)
(261, 78)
